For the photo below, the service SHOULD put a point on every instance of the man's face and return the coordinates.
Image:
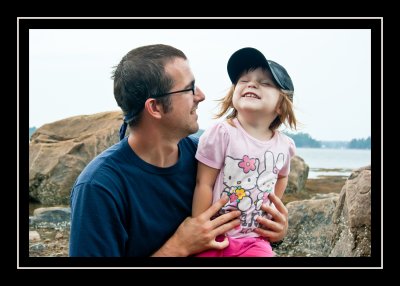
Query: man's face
(182, 118)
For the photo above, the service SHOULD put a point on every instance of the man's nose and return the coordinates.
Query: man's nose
(199, 94)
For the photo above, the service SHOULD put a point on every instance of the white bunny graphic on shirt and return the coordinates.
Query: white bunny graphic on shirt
(267, 178)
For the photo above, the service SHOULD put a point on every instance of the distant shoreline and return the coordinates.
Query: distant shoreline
(321, 173)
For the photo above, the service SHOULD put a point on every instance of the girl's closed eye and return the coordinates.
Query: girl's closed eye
(266, 83)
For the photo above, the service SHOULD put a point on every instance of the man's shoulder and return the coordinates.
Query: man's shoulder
(189, 144)
(101, 163)
(193, 139)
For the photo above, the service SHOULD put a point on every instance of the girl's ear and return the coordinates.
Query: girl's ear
(279, 105)
(152, 107)
(278, 108)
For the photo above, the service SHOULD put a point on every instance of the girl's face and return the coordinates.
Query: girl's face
(256, 92)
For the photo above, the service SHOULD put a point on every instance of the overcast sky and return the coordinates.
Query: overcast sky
(70, 72)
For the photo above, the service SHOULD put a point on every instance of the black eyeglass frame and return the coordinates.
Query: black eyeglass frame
(193, 89)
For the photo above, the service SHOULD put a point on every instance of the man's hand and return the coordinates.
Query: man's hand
(198, 234)
(273, 229)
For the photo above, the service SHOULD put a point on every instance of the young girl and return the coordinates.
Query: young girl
(245, 157)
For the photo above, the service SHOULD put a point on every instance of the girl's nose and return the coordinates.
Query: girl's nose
(252, 84)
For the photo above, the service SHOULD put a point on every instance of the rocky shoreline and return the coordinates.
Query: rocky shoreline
(321, 185)
(53, 241)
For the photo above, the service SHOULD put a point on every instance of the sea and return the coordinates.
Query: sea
(333, 162)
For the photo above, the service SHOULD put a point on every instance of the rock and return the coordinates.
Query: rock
(37, 247)
(331, 224)
(310, 227)
(52, 217)
(59, 235)
(34, 236)
(298, 175)
(59, 151)
(54, 243)
(352, 217)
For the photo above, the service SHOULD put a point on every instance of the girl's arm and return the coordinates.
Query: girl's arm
(280, 186)
(202, 198)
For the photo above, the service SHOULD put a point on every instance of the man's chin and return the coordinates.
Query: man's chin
(194, 129)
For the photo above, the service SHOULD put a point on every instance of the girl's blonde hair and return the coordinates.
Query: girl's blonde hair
(285, 105)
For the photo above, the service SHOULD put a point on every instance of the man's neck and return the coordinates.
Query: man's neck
(153, 147)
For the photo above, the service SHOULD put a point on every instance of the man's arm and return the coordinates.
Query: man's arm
(198, 234)
(96, 226)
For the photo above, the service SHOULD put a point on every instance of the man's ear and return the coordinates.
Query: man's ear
(153, 108)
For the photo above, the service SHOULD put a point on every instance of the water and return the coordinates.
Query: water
(333, 162)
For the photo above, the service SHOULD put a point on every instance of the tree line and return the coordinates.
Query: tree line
(305, 140)
(360, 143)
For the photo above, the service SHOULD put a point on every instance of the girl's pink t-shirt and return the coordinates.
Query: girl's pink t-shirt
(249, 169)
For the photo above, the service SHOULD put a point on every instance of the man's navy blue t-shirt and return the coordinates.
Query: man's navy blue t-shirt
(123, 206)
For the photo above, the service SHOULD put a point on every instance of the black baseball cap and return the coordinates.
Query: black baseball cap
(247, 58)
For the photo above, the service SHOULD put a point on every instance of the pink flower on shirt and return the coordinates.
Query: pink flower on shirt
(233, 198)
(247, 164)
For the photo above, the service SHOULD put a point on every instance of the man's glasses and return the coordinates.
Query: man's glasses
(193, 89)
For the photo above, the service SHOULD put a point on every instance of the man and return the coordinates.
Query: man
(135, 198)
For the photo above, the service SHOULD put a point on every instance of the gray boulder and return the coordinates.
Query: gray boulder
(59, 151)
